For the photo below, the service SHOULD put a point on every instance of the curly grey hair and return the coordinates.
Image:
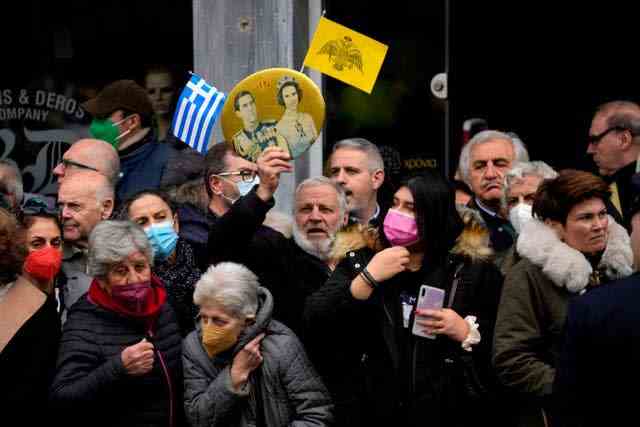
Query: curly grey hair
(230, 286)
(464, 164)
(521, 169)
(111, 242)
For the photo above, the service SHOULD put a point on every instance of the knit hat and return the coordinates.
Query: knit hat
(119, 95)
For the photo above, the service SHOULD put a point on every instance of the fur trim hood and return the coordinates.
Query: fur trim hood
(472, 243)
(567, 267)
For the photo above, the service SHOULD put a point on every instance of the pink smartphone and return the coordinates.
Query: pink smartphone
(428, 298)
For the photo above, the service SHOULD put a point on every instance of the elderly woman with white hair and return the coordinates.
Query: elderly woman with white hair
(241, 368)
(518, 194)
(121, 345)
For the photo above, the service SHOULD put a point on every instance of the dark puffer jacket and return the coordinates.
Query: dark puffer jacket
(91, 386)
(290, 392)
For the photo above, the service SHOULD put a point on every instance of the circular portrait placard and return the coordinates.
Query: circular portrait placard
(278, 106)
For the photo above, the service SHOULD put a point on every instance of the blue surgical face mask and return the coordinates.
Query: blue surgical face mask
(163, 239)
(244, 187)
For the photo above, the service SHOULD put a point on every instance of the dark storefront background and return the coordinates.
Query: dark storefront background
(537, 69)
(541, 68)
(62, 53)
(400, 115)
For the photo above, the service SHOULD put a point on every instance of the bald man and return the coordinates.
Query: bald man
(85, 198)
(614, 143)
(89, 155)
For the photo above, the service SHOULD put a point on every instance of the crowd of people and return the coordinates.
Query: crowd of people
(162, 289)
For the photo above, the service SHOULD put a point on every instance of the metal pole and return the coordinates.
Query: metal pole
(447, 110)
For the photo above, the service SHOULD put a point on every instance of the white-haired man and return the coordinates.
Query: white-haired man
(484, 161)
(291, 268)
(84, 199)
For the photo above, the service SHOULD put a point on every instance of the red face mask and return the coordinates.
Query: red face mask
(43, 264)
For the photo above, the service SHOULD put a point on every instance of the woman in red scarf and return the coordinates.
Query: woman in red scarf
(121, 343)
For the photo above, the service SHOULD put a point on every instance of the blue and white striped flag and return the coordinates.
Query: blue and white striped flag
(196, 113)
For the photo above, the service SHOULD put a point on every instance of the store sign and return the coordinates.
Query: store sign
(420, 163)
(36, 128)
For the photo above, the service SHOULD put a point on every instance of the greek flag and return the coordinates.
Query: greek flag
(196, 113)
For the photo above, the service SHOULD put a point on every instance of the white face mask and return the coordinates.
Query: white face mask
(519, 215)
(243, 188)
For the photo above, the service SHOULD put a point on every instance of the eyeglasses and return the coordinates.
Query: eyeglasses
(70, 163)
(595, 139)
(247, 176)
(37, 206)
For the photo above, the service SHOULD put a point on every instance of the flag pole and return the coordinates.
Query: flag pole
(324, 12)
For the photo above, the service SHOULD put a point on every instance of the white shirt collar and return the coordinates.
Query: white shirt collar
(485, 208)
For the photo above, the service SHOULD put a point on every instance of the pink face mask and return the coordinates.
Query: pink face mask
(400, 229)
(133, 296)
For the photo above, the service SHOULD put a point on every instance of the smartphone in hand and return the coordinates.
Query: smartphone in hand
(428, 298)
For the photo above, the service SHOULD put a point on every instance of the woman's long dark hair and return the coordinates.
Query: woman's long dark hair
(123, 214)
(439, 223)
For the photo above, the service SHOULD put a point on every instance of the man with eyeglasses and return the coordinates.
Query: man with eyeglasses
(227, 177)
(614, 143)
(89, 155)
(293, 267)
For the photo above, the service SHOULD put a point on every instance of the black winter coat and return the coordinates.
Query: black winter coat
(91, 386)
(290, 274)
(379, 373)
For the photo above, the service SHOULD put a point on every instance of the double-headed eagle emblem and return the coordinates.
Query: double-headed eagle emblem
(342, 53)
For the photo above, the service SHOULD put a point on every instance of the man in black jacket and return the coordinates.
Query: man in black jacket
(291, 268)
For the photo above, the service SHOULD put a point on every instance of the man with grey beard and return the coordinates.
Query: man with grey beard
(291, 268)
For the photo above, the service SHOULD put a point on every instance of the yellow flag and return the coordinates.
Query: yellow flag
(345, 55)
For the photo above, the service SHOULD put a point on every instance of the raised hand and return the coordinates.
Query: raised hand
(388, 262)
(271, 163)
(246, 361)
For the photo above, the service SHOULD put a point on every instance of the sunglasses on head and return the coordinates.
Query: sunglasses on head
(37, 206)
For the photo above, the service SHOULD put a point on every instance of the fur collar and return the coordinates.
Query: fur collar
(567, 267)
(472, 243)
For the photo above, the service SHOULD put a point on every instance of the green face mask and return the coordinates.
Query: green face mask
(106, 130)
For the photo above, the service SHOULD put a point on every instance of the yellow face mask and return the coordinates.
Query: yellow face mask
(216, 339)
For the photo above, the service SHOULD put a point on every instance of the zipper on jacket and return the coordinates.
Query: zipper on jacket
(167, 378)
